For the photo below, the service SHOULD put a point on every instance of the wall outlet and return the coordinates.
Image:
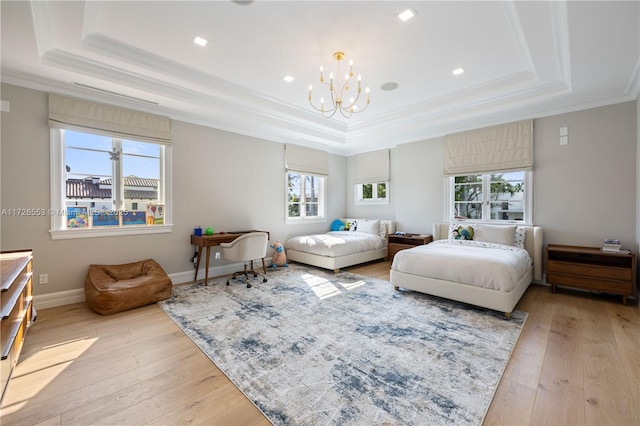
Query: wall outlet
(217, 255)
(44, 278)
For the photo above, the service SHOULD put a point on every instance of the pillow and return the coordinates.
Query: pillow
(369, 226)
(337, 225)
(496, 234)
(453, 229)
(521, 233)
(383, 230)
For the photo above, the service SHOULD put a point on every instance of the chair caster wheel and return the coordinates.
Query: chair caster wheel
(264, 280)
(227, 282)
(255, 275)
(248, 285)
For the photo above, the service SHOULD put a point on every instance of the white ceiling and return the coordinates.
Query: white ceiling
(522, 60)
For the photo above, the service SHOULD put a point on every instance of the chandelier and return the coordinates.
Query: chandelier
(338, 89)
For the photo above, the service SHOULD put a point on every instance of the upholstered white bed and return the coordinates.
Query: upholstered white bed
(470, 279)
(338, 249)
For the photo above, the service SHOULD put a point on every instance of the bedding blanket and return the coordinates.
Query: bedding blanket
(336, 243)
(491, 266)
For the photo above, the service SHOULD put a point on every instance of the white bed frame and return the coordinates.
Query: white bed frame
(335, 263)
(478, 296)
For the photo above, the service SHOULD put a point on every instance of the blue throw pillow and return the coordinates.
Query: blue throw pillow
(337, 225)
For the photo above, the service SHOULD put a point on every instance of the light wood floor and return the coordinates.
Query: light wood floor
(577, 362)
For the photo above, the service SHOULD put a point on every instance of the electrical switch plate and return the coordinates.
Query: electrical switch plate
(564, 140)
(564, 131)
(44, 278)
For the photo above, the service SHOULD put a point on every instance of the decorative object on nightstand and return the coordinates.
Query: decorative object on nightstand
(592, 268)
(402, 240)
(613, 246)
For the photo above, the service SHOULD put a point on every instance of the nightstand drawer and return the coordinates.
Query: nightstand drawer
(402, 242)
(590, 283)
(586, 270)
(395, 248)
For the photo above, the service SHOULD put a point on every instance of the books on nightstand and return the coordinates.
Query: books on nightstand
(613, 246)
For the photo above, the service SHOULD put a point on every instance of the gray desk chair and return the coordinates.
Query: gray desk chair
(247, 248)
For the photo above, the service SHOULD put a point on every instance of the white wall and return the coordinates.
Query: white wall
(220, 179)
(420, 185)
(586, 191)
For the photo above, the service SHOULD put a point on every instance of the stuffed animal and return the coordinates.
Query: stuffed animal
(463, 233)
(279, 256)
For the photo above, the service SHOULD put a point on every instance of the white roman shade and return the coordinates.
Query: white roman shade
(82, 115)
(306, 160)
(491, 149)
(371, 167)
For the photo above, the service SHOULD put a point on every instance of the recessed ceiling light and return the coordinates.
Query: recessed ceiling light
(200, 41)
(407, 14)
(389, 86)
(458, 71)
(288, 78)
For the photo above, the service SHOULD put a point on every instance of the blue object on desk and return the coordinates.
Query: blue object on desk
(197, 231)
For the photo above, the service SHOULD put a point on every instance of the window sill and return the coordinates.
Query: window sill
(297, 221)
(68, 234)
(371, 202)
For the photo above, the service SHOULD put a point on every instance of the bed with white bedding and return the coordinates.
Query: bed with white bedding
(492, 270)
(338, 249)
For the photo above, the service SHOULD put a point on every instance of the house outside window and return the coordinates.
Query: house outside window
(372, 193)
(306, 195)
(491, 197)
(104, 185)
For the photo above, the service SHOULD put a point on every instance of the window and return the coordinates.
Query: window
(372, 193)
(491, 197)
(305, 197)
(102, 185)
(371, 177)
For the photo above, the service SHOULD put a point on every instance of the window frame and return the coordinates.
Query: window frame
(322, 199)
(527, 199)
(57, 212)
(358, 196)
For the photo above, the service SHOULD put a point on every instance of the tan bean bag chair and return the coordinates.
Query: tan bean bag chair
(115, 288)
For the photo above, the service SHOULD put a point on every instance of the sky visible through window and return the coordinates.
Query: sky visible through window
(92, 157)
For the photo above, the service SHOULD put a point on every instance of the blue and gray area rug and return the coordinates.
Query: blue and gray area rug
(311, 347)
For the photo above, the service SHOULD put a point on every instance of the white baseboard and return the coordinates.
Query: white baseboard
(68, 297)
(60, 298)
